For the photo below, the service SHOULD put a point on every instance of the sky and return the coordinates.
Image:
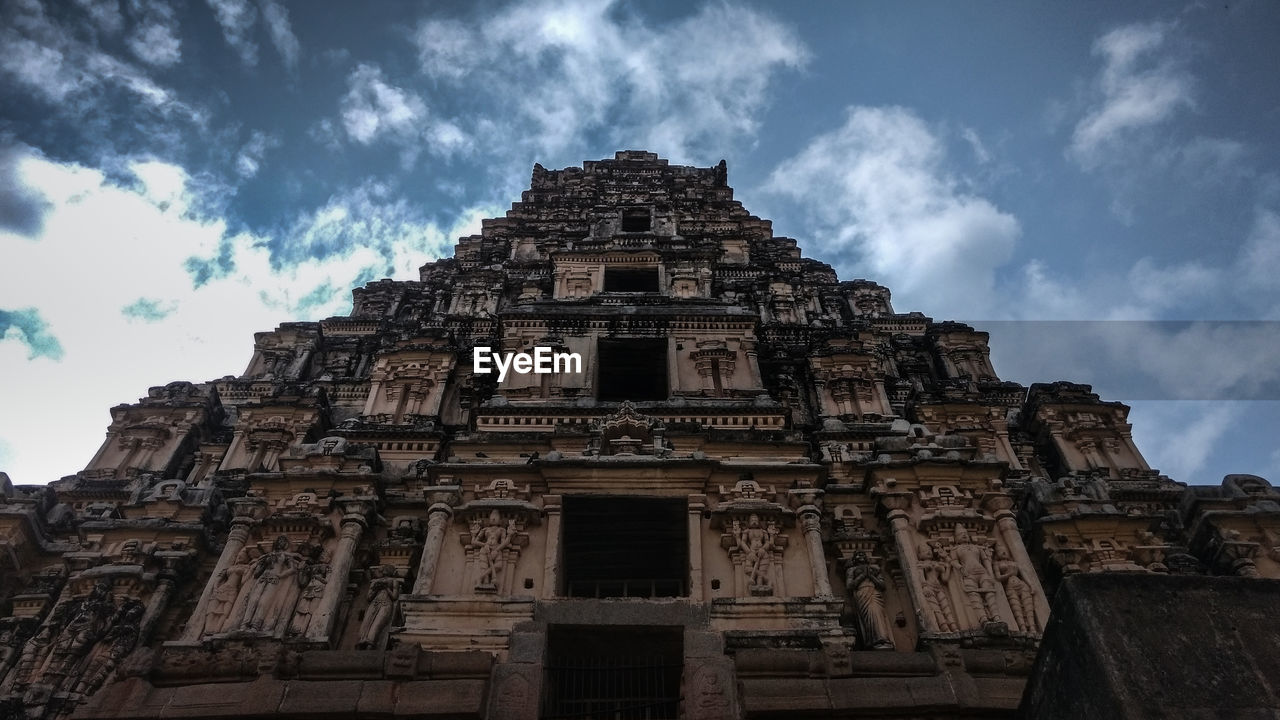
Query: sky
(1096, 184)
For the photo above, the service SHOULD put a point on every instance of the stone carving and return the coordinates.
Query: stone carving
(313, 580)
(230, 582)
(119, 641)
(935, 576)
(274, 589)
(1017, 590)
(865, 583)
(972, 564)
(489, 540)
(383, 593)
(757, 544)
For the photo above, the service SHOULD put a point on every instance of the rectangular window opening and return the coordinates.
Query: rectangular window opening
(620, 673)
(632, 369)
(631, 279)
(636, 220)
(626, 547)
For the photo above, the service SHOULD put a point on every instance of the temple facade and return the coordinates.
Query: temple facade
(763, 492)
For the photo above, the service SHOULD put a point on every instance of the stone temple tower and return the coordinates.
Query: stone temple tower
(758, 492)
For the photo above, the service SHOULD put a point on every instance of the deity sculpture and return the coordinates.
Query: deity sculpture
(1017, 590)
(383, 593)
(274, 589)
(757, 545)
(86, 626)
(865, 583)
(490, 541)
(223, 599)
(120, 640)
(972, 562)
(935, 576)
(313, 579)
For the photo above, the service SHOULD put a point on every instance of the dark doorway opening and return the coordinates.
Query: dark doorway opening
(631, 279)
(633, 370)
(620, 673)
(625, 547)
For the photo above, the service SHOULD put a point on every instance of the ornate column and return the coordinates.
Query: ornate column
(437, 520)
(697, 503)
(247, 513)
(551, 564)
(353, 526)
(811, 523)
(903, 536)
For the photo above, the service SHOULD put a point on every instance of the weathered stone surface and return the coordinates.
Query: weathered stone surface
(1151, 646)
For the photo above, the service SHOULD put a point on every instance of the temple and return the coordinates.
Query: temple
(764, 493)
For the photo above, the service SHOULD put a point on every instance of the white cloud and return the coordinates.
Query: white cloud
(562, 71)
(249, 159)
(1139, 87)
(124, 307)
(374, 109)
(154, 39)
(1178, 437)
(282, 37)
(885, 205)
(237, 18)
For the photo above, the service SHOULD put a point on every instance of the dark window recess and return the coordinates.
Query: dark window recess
(636, 221)
(637, 280)
(625, 547)
(620, 673)
(633, 370)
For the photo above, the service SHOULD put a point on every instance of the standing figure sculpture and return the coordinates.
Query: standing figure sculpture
(935, 576)
(313, 579)
(757, 545)
(222, 601)
(88, 622)
(973, 564)
(1017, 590)
(865, 583)
(120, 640)
(489, 542)
(383, 593)
(274, 589)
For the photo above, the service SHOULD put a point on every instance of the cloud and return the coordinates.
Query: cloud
(27, 327)
(884, 204)
(1139, 86)
(57, 66)
(22, 208)
(237, 18)
(1179, 437)
(154, 39)
(373, 108)
(559, 74)
(282, 37)
(249, 159)
(148, 310)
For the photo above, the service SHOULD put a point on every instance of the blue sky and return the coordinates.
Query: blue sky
(175, 177)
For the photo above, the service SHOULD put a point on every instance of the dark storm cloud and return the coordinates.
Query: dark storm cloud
(27, 327)
(22, 209)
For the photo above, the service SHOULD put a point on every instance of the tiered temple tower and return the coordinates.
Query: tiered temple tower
(764, 493)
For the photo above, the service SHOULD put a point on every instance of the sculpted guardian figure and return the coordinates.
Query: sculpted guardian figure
(865, 583)
(383, 593)
(223, 600)
(936, 575)
(757, 546)
(489, 541)
(313, 579)
(972, 562)
(1017, 590)
(274, 590)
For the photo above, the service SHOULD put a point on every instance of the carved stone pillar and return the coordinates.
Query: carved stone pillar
(247, 513)
(551, 566)
(353, 526)
(697, 503)
(811, 523)
(437, 520)
(156, 604)
(903, 536)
